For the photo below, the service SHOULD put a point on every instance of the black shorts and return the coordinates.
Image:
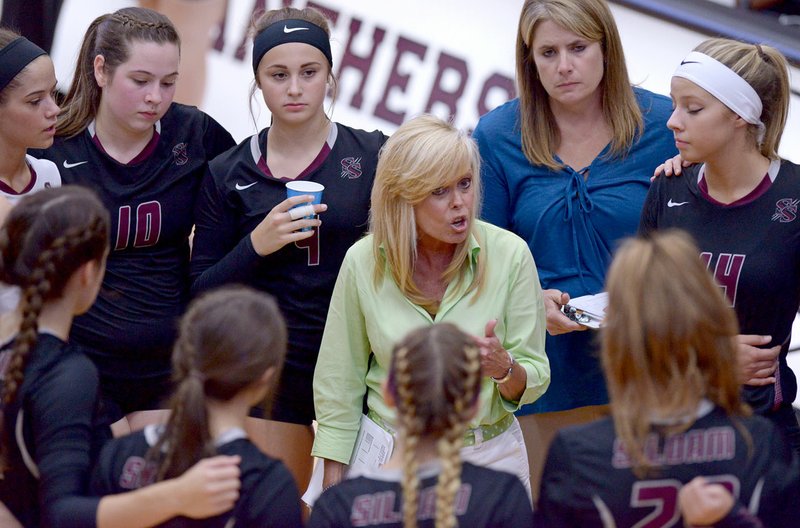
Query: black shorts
(293, 399)
(122, 396)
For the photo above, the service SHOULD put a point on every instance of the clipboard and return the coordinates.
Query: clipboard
(373, 447)
(588, 310)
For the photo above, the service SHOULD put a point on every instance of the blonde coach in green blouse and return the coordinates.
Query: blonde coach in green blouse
(428, 260)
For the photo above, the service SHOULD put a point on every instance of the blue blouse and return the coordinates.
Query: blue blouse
(572, 225)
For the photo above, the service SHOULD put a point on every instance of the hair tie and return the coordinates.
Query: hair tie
(291, 30)
(763, 54)
(15, 57)
(195, 374)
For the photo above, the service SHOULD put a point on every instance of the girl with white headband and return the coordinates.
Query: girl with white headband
(740, 202)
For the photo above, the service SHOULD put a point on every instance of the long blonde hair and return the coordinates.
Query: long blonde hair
(425, 153)
(668, 340)
(435, 380)
(766, 70)
(592, 20)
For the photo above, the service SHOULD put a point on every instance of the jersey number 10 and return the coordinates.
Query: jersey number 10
(148, 225)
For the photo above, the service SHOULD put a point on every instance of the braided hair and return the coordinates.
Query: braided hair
(45, 239)
(434, 378)
(227, 340)
(109, 35)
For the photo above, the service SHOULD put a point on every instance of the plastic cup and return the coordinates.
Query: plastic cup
(296, 188)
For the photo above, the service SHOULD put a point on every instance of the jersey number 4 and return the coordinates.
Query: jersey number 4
(148, 225)
(311, 244)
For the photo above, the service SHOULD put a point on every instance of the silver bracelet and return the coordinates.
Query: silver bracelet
(507, 377)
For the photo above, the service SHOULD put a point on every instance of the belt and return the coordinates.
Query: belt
(480, 434)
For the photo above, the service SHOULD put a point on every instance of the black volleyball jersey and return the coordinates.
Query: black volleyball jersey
(237, 197)
(753, 251)
(62, 434)
(130, 328)
(486, 498)
(268, 497)
(588, 480)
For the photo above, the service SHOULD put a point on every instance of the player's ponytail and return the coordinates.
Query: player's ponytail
(434, 378)
(227, 340)
(109, 35)
(411, 429)
(45, 239)
(465, 389)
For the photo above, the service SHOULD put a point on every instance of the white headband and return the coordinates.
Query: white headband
(724, 84)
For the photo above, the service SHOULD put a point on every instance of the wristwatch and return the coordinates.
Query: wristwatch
(507, 377)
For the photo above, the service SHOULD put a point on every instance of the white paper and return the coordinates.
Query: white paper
(592, 306)
(373, 448)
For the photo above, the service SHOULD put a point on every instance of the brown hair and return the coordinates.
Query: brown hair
(434, 377)
(227, 340)
(766, 70)
(109, 35)
(668, 340)
(592, 20)
(309, 14)
(45, 239)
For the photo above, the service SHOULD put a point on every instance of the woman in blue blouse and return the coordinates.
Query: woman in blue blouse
(566, 166)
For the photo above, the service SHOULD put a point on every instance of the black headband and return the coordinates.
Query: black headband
(15, 56)
(291, 30)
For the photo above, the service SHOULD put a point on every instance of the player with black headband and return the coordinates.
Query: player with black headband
(228, 356)
(53, 246)
(740, 204)
(121, 135)
(246, 234)
(28, 115)
(677, 418)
